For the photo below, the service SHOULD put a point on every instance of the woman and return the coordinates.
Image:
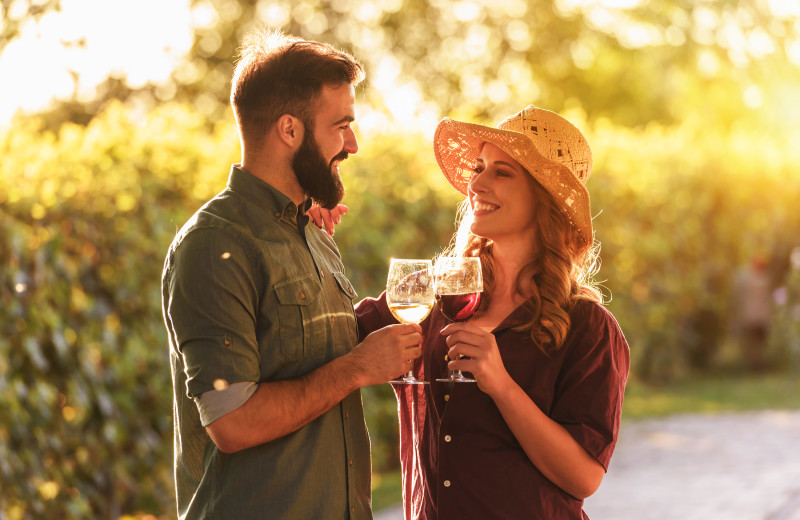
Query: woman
(534, 436)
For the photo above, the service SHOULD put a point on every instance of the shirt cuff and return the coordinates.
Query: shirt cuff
(216, 403)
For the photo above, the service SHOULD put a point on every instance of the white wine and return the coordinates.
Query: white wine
(410, 312)
(409, 296)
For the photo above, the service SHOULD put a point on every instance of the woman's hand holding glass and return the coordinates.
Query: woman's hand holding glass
(474, 350)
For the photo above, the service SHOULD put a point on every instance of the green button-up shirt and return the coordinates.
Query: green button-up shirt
(250, 294)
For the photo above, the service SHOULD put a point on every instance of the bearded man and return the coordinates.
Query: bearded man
(266, 367)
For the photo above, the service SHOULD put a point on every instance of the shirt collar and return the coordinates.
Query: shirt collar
(274, 202)
(519, 316)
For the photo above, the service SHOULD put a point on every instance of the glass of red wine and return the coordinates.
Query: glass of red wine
(459, 285)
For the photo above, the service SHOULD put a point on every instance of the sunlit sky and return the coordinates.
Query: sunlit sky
(141, 40)
(72, 51)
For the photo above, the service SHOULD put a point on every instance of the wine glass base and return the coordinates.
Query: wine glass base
(457, 380)
(409, 381)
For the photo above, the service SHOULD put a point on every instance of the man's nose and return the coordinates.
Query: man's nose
(350, 142)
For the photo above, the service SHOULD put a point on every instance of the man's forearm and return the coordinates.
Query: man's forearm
(281, 407)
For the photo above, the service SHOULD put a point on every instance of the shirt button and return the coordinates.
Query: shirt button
(446, 397)
(447, 438)
(227, 342)
(333, 319)
(350, 462)
(277, 215)
(302, 296)
(446, 483)
(352, 509)
(346, 415)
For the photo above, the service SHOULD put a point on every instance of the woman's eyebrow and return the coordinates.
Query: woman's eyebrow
(508, 164)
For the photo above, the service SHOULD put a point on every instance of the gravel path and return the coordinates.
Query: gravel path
(736, 466)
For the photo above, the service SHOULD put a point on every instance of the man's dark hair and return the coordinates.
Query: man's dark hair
(280, 74)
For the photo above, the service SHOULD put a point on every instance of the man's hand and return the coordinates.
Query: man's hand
(327, 219)
(387, 353)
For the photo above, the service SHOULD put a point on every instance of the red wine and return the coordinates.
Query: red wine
(459, 307)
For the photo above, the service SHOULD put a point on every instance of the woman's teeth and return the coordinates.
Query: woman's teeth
(482, 206)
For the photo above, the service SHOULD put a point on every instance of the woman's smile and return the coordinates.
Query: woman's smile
(480, 208)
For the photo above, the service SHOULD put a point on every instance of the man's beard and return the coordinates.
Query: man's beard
(315, 176)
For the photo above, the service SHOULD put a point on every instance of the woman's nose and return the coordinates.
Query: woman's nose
(476, 184)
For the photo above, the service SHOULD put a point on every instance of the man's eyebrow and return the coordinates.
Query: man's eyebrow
(346, 119)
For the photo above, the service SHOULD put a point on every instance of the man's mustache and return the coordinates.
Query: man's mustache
(341, 156)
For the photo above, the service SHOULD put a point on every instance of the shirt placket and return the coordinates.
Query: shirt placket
(447, 482)
(342, 330)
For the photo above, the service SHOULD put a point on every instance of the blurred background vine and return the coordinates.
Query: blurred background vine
(690, 107)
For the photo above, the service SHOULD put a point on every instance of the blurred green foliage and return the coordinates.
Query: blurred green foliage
(85, 414)
(88, 212)
(689, 107)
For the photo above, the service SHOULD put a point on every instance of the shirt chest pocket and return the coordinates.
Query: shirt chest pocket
(302, 329)
(346, 288)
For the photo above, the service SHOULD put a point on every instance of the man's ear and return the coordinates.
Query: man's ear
(290, 130)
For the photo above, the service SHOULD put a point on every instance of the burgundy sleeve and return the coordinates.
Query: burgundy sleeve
(372, 314)
(589, 392)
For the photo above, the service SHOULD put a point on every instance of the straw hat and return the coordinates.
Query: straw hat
(548, 146)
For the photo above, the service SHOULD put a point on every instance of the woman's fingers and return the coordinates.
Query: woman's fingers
(327, 219)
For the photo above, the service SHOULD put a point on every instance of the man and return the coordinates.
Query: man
(266, 370)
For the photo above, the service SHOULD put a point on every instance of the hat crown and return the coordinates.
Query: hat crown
(554, 137)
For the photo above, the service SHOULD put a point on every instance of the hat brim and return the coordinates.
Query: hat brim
(457, 145)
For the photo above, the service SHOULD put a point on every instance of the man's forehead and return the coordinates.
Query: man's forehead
(337, 102)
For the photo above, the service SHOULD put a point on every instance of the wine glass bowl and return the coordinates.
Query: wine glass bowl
(459, 285)
(410, 296)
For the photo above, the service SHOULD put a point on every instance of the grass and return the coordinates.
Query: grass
(712, 394)
(690, 394)
(387, 490)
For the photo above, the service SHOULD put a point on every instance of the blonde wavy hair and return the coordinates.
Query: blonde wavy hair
(560, 275)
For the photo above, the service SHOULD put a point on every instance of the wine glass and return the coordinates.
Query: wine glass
(459, 285)
(409, 294)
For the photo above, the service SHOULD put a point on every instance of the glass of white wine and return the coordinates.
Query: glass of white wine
(459, 285)
(409, 294)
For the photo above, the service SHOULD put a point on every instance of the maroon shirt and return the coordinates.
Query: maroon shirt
(460, 459)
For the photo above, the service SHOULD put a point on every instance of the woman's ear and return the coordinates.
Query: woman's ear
(290, 130)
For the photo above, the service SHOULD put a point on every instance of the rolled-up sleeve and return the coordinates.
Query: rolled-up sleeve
(212, 309)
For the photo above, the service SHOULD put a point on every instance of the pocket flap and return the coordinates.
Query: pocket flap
(345, 285)
(297, 292)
